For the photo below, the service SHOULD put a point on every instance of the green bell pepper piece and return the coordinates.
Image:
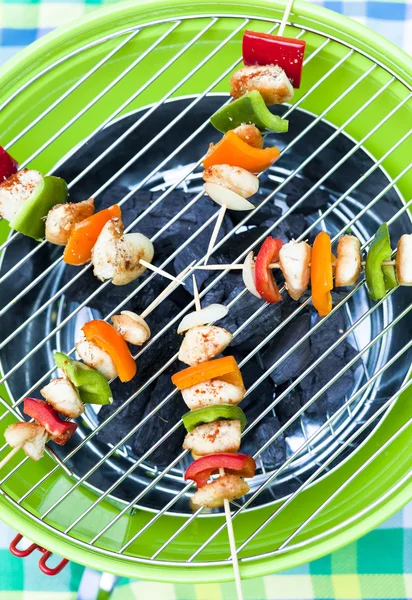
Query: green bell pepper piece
(380, 279)
(29, 220)
(209, 414)
(250, 108)
(92, 386)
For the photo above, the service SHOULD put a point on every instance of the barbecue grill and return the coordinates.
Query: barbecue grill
(118, 104)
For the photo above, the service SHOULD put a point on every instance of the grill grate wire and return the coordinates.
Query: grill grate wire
(372, 378)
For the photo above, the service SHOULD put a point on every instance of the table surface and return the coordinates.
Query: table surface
(378, 565)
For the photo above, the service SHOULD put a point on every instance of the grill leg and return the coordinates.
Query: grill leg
(96, 586)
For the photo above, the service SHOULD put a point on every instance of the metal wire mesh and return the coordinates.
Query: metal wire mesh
(361, 424)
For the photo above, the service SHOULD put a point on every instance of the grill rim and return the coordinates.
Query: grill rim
(104, 11)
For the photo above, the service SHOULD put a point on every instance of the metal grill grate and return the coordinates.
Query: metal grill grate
(320, 449)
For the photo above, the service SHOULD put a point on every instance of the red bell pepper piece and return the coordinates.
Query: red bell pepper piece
(60, 431)
(8, 166)
(265, 282)
(203, 468)
(266, 49)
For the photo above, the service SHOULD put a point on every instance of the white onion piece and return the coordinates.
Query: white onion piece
(227, 198)
(248, 274)
(137, 318)
(209, 314)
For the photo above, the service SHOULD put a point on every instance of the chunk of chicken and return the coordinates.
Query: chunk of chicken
(250, 134)
(270, 80)
(212, 392)
(31, 436)
(203, 343)
(117, 257)
(131, 327)
(348, 263)
(16, 190)
(62, 218)
(236, 179)
(226, 487)
(404, 260)
(294, 260)
(219, 436)
(63, 397)
(95, 357)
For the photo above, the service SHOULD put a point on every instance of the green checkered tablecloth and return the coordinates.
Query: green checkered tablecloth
(379, 565)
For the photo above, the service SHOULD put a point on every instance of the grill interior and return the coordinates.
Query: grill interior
(303, 423)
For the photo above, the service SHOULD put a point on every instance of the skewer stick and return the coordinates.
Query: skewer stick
(167, 291)
(157, 270)
(216, 230)
(226, 504)
(10, 455)
(285, 18)
(232, 544)
(233, 266)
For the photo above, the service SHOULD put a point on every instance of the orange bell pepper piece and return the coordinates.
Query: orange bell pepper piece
(225, 369)
(83, 236)
(108, 339)
(321, 274)
(231, 150)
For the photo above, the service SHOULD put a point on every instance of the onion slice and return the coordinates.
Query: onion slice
(227, 198)
(209, 314)
(248, 274)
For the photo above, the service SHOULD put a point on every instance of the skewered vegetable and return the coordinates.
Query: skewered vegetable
(219, 436)
(31, 437)
(92, 386)
(227, 198)
(211, 393)
(194, 418)
(16, 190)
(321, 274)
(203, 343)
(96, 358)
(250, 134)
(265, 282)
(225, 369)
(250, 108)
(59, 431)
(109, 340)
(236, 179)
(117, 256)
(404, 260)
(209, 314)
(8, 166)
(231, 150)
(63, 397)
(29, 220)
(348, 263)
(248, 274)
(201, 470)
(62, 218)
(269, 80)
(294, 260)
(131, 327)
(213, 494)
(84, 235)
(266, 49)
(379, 279)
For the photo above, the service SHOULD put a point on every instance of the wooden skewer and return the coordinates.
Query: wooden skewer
(10, 455)
(230, 532)
(157, 270)
(232, 544)
(178, 280)
(285, 18)
(233, 266)
(215, 233)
